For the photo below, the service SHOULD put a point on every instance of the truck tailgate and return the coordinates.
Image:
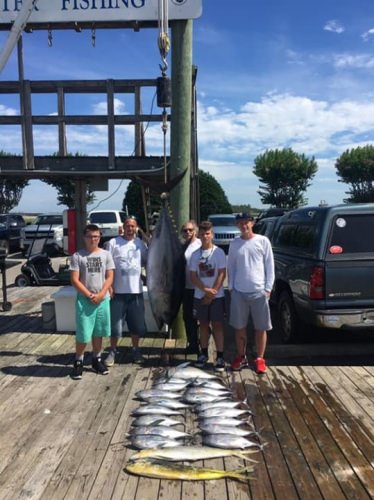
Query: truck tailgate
(350, 281)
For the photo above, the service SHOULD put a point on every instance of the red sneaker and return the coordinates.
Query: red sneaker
(239, 363)
(260, 365)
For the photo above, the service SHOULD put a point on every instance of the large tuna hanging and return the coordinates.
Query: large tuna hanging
(165, 269)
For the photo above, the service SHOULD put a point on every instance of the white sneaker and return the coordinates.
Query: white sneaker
(111, 358)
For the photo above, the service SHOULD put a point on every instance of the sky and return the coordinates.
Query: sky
(290, 74)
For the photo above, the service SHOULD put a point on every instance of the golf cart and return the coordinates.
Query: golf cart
(7, 306)
(38, 270)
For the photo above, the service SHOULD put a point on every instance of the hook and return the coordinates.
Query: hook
(163, 66)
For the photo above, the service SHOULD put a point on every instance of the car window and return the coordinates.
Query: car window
(301, 236)
(103, 218)
(353, 233)
(3, 218)
(222, 221)
(48, 219)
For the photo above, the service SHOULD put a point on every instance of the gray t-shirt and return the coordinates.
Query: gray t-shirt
(92, 268)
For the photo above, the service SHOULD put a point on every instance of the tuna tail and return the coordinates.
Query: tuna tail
(161, 187)
(243, 455)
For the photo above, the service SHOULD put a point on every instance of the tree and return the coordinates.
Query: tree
(133, 202)
(65, 188)
(212, 199)
(285, 176)
(356, 167)
(11, 189)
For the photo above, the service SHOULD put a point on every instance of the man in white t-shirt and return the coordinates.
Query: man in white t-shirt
(208, 271)
(250, 269)
(191, 243)
(129, 254)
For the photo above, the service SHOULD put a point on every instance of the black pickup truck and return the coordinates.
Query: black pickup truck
(10, 231)
(324, 268)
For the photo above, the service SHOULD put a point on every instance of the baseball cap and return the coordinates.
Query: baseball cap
(243, 216)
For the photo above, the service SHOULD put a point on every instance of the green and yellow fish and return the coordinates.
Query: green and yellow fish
(167, 470)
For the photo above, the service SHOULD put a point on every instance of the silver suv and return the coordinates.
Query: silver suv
(110, 222)
(47, 227)
(225, 229)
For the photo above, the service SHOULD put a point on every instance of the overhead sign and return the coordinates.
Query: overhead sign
(63, 11)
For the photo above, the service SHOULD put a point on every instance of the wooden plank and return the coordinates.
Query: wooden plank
(126, 482)
(345, 459)
(300, 413)
(270, 470)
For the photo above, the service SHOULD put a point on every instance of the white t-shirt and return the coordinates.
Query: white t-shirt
(250, 265)
(206, 264)
(187, 254)
(129, 256)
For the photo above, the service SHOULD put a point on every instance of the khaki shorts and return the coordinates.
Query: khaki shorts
(244, 305)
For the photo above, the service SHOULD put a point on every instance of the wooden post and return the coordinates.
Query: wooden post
(180, 139)
(81, 210)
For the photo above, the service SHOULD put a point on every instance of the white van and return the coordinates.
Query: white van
(110, 222)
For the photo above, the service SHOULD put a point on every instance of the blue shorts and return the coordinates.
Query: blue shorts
(92, 320)
(128, 307)
(244, 305)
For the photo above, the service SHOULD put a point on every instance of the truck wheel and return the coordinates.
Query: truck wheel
(288, 321)
(22, 280)
(7, 306)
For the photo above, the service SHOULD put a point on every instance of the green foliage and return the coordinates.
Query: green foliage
(356, 167)
(11, 189)
(285, 176)
(213, 199)
(133, 203)
(65, 188)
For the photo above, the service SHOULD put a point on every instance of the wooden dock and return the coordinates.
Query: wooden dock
(65, 439)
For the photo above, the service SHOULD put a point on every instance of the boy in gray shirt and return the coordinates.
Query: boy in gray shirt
(92, 270)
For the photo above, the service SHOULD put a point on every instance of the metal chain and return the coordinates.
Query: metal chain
(93, 36)
(164, 128)
(50, 37)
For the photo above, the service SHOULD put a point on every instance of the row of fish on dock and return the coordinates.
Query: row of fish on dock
(224, 428)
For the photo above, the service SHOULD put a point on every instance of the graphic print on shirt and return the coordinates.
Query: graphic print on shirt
(206, 269)
(94, 264)
(129, 262)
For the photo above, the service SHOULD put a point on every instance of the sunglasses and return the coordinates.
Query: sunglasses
(187, 230)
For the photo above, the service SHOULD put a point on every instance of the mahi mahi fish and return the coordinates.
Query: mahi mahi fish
(165, 470)
(165, 270)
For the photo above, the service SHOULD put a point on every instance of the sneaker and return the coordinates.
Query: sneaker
(76, 374)
(202, 360)
(239, 363)
(137, 357)
(111, 358)
(99, 366)
(220, 365)
(260, 365)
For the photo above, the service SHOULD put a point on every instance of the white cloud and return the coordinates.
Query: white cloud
(359, 61)
(368, 35)
(334, 26)
(7, 111)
